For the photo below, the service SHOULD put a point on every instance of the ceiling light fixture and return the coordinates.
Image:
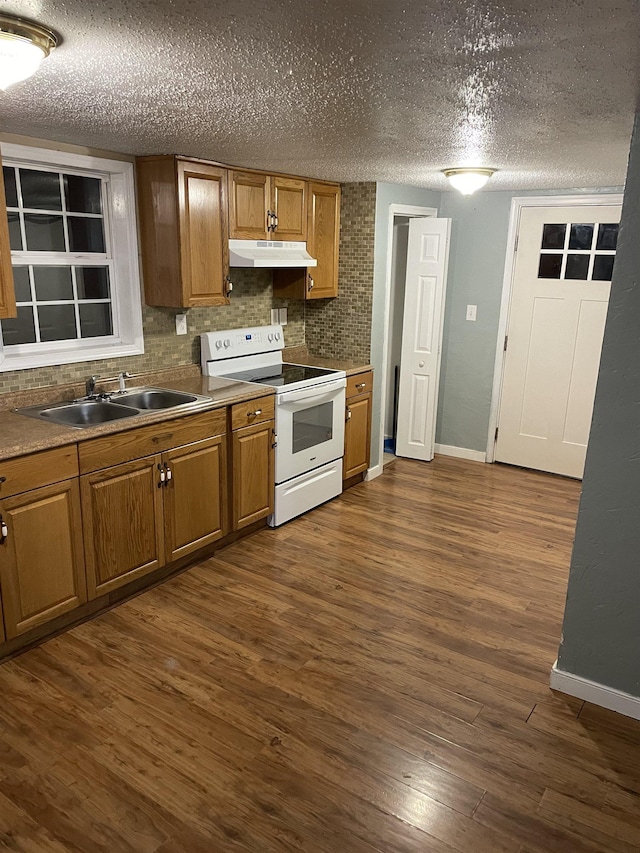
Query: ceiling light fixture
(23, 46)
(468, 179)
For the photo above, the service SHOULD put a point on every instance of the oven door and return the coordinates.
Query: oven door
(310, 428)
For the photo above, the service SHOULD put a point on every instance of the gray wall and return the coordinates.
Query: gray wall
(386, 194)
(601, 633)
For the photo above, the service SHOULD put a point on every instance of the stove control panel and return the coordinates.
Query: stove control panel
(232, 343)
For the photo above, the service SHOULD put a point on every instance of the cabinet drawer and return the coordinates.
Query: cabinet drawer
(38, 469)
(252, 412)
(360, 383)
(132, 444)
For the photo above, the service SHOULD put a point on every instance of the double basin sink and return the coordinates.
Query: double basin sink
(117, 406)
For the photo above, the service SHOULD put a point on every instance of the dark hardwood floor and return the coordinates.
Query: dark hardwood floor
(371, 677)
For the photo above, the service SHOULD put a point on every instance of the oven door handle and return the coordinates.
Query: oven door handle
(320, 393)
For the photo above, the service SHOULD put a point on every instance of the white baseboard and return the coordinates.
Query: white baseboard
(461, 452)
(597, 694)
(372, 473)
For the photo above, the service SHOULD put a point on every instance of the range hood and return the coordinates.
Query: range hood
(269, 254)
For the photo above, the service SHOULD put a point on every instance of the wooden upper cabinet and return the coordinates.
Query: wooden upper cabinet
(289, 203)
(184, 230)
(265, 207)
(324, 240)
(249, 205)
(7, 293)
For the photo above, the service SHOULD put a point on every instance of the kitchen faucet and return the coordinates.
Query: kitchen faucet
(90, 385)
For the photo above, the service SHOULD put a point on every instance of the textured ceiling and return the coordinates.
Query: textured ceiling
(347, 90)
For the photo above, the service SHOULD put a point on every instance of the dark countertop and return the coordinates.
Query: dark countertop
(20, 434)
(298, 355)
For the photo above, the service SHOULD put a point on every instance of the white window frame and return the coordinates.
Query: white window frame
(122, 249)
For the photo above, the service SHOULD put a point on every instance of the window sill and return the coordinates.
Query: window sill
(75, 356)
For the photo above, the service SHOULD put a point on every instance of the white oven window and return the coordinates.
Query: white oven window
(312, 426)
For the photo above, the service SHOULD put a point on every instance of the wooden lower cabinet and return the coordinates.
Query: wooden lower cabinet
(42, 569)
(357, 436)
(195, 485)
(123, 523)
(253, 473)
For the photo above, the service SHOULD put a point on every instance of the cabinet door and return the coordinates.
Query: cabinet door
(41, 560)
(289, 199)
(253, 473)
(123, 524)
(250, 197)
(195, 496)
(204, 233)
(7, 294)
(324, 240)
(357, 436)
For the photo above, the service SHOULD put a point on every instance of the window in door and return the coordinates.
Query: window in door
(578, 251)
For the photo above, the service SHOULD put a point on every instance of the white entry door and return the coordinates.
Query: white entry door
(559, 300)
(427, 258)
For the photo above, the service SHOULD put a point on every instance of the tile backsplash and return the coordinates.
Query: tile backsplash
(250, 306)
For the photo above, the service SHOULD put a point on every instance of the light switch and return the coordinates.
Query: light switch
(181, 324)
(283, 317)
(471, 312)
(274, 316)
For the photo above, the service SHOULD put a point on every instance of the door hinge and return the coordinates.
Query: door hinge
(515, 248)
(506, 338)
(495, 438)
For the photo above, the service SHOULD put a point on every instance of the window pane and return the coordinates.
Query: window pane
(603, 267)
(40, 189)
(550, 266)
(82, 195)
(92, 282)
(11, 191)
(577, 266)
(607, 236)
(95, 319)
(553, 236)
(53, 283)
(15, 235)
(44, 233)
(57, 322)
(85, 235)
(581, 237)
(21, 329)
(21, 282)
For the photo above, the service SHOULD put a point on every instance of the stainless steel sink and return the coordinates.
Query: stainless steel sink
(153, 398)
(135, 402)
(84, 414)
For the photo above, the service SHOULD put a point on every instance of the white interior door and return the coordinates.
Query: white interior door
(427, 259)
(560, 294)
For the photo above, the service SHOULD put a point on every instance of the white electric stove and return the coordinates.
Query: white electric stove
(310, 407)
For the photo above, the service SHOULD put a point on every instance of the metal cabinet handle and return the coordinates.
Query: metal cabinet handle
(274, 217)
(3, 480)
(361, 385)
(348, 417)
(4, 531)
(254, 414)
(169, 474)
(272, 220)
(310, 285)
(163, 476)
(228, 287)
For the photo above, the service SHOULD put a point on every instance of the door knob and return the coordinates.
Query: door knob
(421, 364)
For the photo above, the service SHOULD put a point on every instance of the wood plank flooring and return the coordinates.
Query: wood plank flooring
(371, 677)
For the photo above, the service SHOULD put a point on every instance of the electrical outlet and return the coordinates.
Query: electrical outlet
(471, 312)
(282, 319)
(274, 316)
(181, 324)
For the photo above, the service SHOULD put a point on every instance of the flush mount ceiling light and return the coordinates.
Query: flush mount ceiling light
(468, 179)
(23, 46)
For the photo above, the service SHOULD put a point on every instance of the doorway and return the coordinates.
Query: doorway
(557, 282)
(396, 269)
